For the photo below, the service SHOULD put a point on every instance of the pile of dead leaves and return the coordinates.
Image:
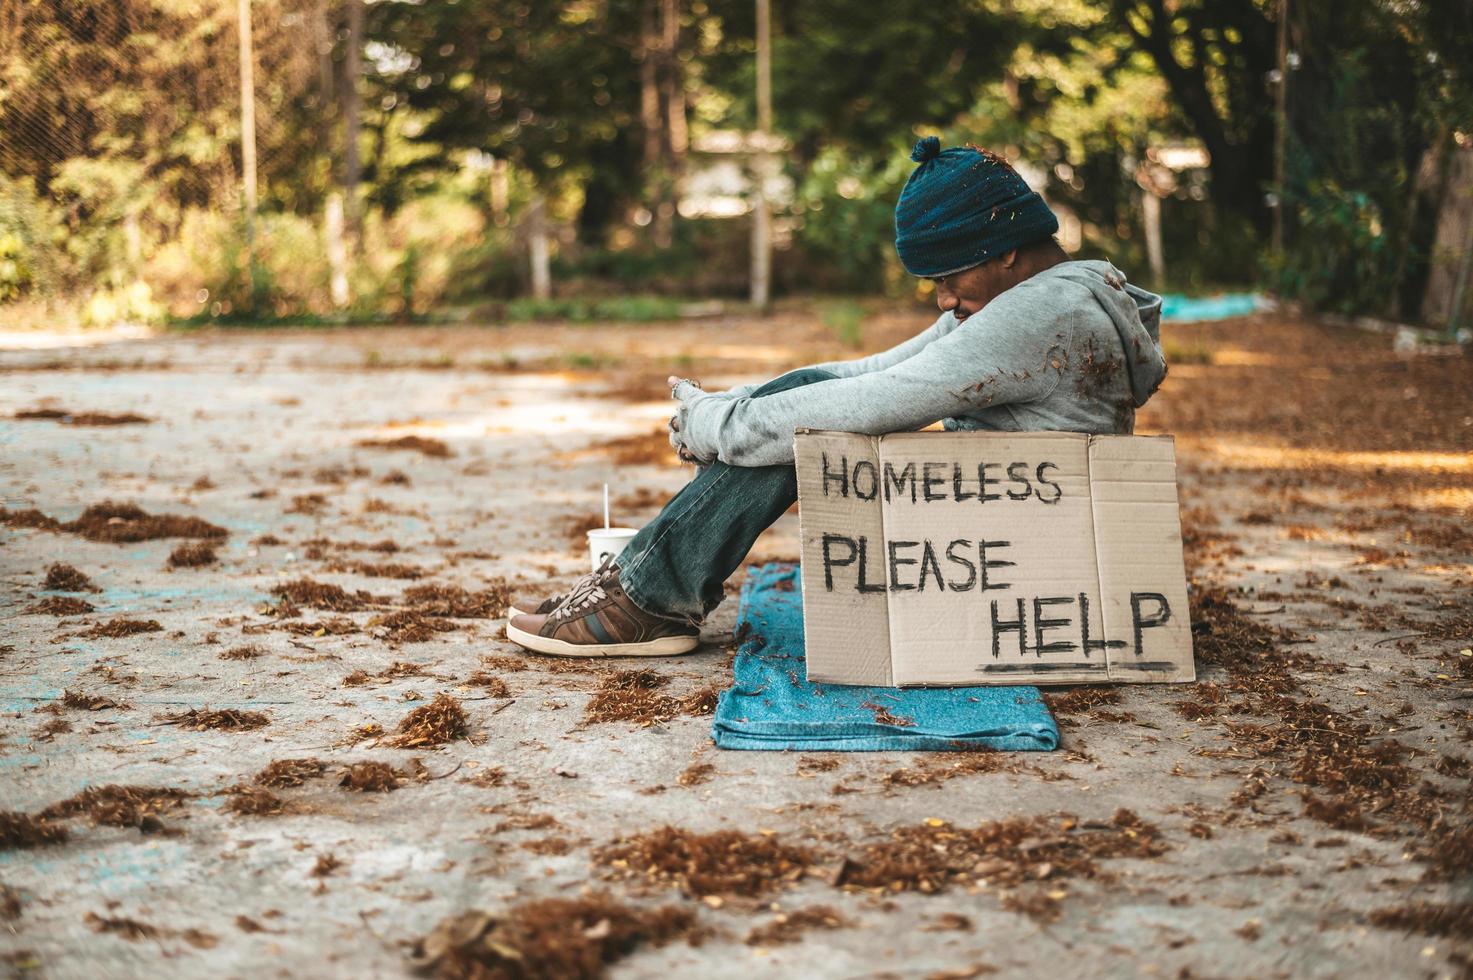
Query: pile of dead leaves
(61, 577)
(66, 417)
(409, 626)
(114, 805)
(724, 862)
(419, 444)
(117, 523)
(564, 938)
(121, 626)
(371, 777)
(61, 605)
(442, 720)
(635, 696)
(253, 801)
(283, 773)
(322, 595)
(223, 720)
(455, 602)
(932, 856)
(397, 670)
(21, 830)
(89, 702)
(193, 555)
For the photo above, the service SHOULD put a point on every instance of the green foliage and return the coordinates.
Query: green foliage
(1194, 354)
(120, 148)
(846, 319)
(29, 232)
(847, 209)
(634, 309)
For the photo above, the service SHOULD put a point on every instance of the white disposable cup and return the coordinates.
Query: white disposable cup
(606, 541)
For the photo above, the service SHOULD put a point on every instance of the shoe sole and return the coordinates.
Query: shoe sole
(665, 646)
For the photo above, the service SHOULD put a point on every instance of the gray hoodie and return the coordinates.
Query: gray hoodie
(1073, 348)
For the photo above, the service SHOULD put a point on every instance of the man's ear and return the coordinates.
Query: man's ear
(1009, 258)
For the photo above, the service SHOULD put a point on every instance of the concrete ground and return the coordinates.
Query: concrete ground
(1327, 487)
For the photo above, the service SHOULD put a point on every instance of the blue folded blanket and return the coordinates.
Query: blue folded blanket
(772, 706)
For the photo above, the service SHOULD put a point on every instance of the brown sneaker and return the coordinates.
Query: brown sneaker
(531, 605)
(597, 619)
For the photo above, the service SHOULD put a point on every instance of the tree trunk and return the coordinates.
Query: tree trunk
(352, 69)
(539, 247)
(337, 250)
(676, 137)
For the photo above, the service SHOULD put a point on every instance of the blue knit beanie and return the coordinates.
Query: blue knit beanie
(963, 206)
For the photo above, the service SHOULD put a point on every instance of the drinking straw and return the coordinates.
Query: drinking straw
(606, 506)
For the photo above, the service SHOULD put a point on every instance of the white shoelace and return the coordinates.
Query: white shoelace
(586, 592)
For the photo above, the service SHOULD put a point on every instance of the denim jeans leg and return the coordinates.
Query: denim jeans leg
(677, 564)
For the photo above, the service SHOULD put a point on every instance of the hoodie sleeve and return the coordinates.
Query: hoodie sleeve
(864, 365)
(1011, 351)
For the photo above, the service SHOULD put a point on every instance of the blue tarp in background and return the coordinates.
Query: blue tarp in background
(1190, 309)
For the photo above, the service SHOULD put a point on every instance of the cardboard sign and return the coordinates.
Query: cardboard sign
(959, 558)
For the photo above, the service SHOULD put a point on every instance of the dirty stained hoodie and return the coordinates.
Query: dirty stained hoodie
(1073, 348)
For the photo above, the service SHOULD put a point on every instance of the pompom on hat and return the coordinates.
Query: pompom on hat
(963, 206)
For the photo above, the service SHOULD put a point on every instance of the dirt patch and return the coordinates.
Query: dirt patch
(283, 773)
(222, 720)
(192, 555)
(647, 449)
(576, 529)
(642, 498)
(61, 577)
(89, 702)
(725, 862)
(1351, 776)
(419, 444)
(934, 855)
(575, 938)
(115, 805)
(60, 605)
(122, 626)
(66, 417)
(372, 777)
(791, 927)
(21, 830)
(634, 696)
(442, 720)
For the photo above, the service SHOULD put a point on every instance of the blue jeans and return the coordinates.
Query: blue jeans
(677, 563)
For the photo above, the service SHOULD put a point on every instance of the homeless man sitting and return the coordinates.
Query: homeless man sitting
(1019, 346)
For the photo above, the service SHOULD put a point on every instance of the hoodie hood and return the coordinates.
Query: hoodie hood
(1136, 314)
